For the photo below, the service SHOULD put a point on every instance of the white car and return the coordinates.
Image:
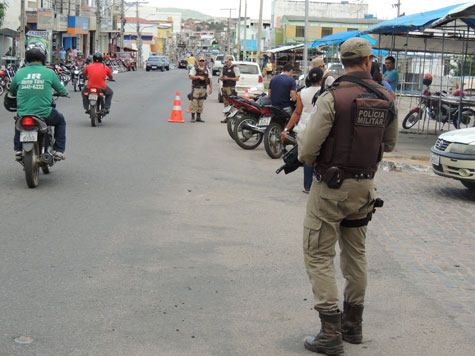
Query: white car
(453, 156)
(219, 63)
(251, 79)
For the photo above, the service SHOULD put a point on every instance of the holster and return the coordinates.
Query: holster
(333, 176)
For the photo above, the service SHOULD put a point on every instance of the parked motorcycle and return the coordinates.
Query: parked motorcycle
(37, 139)
(276, 119)
(247, 131)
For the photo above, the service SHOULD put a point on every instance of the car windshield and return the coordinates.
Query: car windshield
(219, 58)
(154, 59)
(123, 55)
(248, 69)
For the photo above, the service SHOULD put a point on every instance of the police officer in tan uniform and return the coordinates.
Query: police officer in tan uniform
(230, 76)
(352, 125)
(199, 75)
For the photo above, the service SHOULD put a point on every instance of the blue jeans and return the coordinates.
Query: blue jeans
(55, 119)
(307, 177)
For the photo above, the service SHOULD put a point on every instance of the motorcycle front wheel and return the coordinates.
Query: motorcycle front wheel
(75, 85)
(230, 125)
(411, 119)
(272, 141)
(246, 138)
(32, 167)
(1, 89)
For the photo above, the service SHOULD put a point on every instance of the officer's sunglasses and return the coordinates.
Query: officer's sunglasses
(201, 60)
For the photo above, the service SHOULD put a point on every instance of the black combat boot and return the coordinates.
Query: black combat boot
(198, 118)
(328, 341)
(192, 117)
(351, 323)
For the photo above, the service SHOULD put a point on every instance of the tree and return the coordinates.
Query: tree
(3, 10)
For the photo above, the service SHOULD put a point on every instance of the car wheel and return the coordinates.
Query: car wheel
(147, 69)
(168, 68)
(469, 185)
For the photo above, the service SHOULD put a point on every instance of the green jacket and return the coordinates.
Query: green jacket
(33, 86)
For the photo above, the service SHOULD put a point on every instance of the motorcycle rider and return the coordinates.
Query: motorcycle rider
(31, 91)
(80, 61)
(96, 74)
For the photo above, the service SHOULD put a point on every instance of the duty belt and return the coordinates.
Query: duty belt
(199, 87)
(334, 176)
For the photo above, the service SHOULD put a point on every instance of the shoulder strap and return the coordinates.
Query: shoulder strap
(350, 78)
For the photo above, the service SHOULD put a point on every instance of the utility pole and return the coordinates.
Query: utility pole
(305, 48)
(122, 20)
(259, 33)
(98, 26)
(398, 5)
(239, 34)
(228, 32)
(139, 36)
(22, 31)
(245, 30)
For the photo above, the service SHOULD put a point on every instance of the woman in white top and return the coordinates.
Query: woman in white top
(303, 111)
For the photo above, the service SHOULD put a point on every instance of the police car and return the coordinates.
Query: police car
(453, 156)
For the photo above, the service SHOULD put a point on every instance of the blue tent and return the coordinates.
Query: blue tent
(340, 37)
(410, 23)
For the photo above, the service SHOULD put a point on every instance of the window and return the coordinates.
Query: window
(351, 29)
(326, 31)
(248, 69)
(300, 31)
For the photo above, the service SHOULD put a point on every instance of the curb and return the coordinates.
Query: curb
(403, 166)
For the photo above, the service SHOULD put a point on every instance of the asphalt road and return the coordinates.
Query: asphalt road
(156, 238)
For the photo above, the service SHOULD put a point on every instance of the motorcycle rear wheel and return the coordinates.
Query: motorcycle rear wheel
(411, 119)
(246, 139)
(32, 167)
(467, 121)
(1, 89)
(272, 142)
(93, 115)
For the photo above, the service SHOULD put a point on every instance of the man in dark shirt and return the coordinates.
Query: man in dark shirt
(282, 89)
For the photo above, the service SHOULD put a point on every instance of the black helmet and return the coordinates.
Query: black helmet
(97, 57)
(35, 52)
(10, 103)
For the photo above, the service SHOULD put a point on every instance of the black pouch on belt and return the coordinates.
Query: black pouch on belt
(333, 176)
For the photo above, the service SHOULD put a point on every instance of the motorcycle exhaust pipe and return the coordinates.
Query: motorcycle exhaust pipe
(253, 128)
(47, 158)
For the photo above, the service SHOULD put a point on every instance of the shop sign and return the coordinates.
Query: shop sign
(45, 20)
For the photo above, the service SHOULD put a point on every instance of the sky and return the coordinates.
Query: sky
(380, 8)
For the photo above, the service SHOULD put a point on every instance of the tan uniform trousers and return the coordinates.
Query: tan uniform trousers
(326, 208)
(226, 91)
(197, 103)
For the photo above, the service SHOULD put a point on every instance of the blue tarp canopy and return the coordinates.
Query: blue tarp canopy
(340, 37)
(416, 22)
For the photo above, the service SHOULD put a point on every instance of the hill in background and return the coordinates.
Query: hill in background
(188, 14)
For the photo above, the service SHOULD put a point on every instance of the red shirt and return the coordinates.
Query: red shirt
(96, 75)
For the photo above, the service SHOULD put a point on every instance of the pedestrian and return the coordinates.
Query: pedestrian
(68, 55)
(302, 114)
(199, 75)
(191, 60)
(391, 74)
(230, 76)
(75, 52)
(268, 69)
(379, 78)
(360, 116)
(328, 77)
(283, 89)
(62, 55)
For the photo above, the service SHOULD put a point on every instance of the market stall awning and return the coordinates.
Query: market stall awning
(337, 38)
(415, 22)
(465, 13)
(9, 32)
(285, 48)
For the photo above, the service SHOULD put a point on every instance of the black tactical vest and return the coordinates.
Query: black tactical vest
(201, 72)
(229, 72)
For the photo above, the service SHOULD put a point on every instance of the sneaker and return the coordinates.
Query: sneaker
(58, 155)
(199, 120)
(105, 111)
(306, 191)
(18, 155)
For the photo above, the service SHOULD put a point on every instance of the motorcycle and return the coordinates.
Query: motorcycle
(3, 81)
(443, 111)
(276, 119)
(96, 99)
(37, 139)
(247, 131)
(77, 78)
(231, 114)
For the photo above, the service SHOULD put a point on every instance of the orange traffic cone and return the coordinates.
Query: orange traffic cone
(176, 111)
(189, 107)
(246, 94)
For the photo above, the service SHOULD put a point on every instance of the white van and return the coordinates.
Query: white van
(250, 79)
(219, 63)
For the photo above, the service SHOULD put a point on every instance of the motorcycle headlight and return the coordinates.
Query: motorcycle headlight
(76, 72)
(462, 149)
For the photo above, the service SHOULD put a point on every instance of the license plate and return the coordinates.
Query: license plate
(434, 159)
(227, 109)
(28, 136)
(154, 67)
(92, 96)
(265, 121)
